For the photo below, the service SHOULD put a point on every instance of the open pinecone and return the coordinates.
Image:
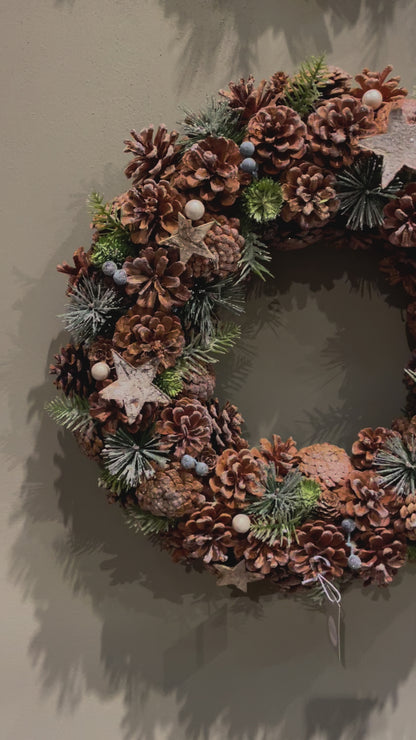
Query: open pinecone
(208, 533)
(406, 522)
(82, 267)
(210, 170)
(310, 196)
(260, 556)
(237, 475)
(157, 278)
(335, 128)
(90, 441)
(224, 241)
(248, 99)
(200, 386)
(369, 442)
(277, 83)
(150, 211)
(153, 156)
(337, 82)
(389, 89)
(282, 453)
(328, 464)
(370, 505)
(400, 269)
(329, 506)
(171, 492)
(72, 370)
(100, 350)
(314, 541)
(382, 553)
(278, 133)
(184, 426)
(110, 415)
(226, 426)
(399, 222)
(143, 336)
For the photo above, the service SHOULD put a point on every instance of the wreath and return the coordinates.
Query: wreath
(273, 166)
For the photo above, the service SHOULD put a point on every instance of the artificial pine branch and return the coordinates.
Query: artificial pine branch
(263, 200)
(129, 458)
(302, 91)
(113, 483)
(110, 246)
(91, 310)
(104, 216)
(72, 413)
(170, 382)
(253, 258)
(146, 522)
(200, 312)
(396, 464)
(216, 119)
(198, 354)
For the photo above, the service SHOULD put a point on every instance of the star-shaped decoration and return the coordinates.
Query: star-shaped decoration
(237, 576)
(190, 239)
(133, 387)
(397, 146)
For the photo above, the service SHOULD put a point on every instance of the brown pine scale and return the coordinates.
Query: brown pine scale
(200, 385)
(389, 89)
(328, 464)
(337, 82)
(244, 97)
(399, 222)
(310, 196)
(283, 454)
(90, 442)
(72, 371)
(400, 269)
(157, 278)
(150, 211)
(111, 416)
(141, 337)
(406, 524)
(100, 350)
(208, 533)
(369, 442)
(329, 506)
(82, 268)
(171, 492)
(226, 426)
(238, 475)
(154, 155)
(370, 505)
(185, 427)
(278, 133)
(382, 552)
(314, 541)
(226, 243)
(335, 128)
(262, 557)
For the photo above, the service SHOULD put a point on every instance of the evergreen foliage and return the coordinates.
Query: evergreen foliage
(302, 91)
(113, 483)
(263, 200)
(198, 354)
(146, 522)
(360, 192)
(254, 258)
(200, 312)
(110, 246)
(216, 119)
(91, 310)
(72, 413)
(104, 216)
(129, 458)
(396, 464)
(170, 382)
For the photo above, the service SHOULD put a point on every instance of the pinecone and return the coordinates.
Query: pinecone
(370, 505)
(90, 441)
(208, 533)
(248, 99)
(278, 134)
(184, 426)
(399, 222)
(150, 211)
(277, 83)
(406, 524)
(400, 270)
(72, 370)
(209, 457)
(172, 492)
(237, 475)
(335, 128)
(336, 83)
(82, 268)
(173, 542)
(405, 427)
(282, 453)
(260, 556)
(100, 350)
(111, 416)
(200, 386)
(153, 156)
(389, 89)
(368, 443)
(328, 464)
(210, 170)
(382, 553)
(225, 241)
(142, 337)
(226, 426)
(328, 507)
(157, 279)
(317, 540)
(310, 196)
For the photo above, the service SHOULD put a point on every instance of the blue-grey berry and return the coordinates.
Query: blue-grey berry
(348, 525)
(188, 462)
(248, 165)
(109, 268)
(354, 561)
(247, 149)
(120, 277)
(201, 469)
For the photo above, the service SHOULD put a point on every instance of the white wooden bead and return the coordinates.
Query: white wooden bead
(100, 371)
(194, 210)
(373, 98)
(241, 523)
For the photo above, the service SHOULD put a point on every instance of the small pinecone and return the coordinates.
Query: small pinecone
(400, 270)
(382, 552)
(143, 336)
(278, 134)
(209, 457)
(225, 241)
(90, 441)
(368, 443)
(153, 156)
(82, 268)
(260, 556)
(157, 279)
(172, 492)
(185, 426)
(404, 426)
(323, 540)
(282, 453)
(278, 83)
(310, 196)
(399, 222)
(199, 386)
(248, 99)
(369, 505)
(406, 524)
(72, 370)
(150, 211)
(210, 169)
(335, 128)
(111, 416)
(208, 533)
(100, 350)
(328, 507)
(337, 82)
(226, 426)
(328, 464)
(390, 90)
(237, 475)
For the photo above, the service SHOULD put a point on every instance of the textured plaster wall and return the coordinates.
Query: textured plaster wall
(101, 636)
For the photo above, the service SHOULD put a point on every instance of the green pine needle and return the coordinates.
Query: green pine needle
(253, 258)
(411, 552)
(147, 523)
(170, 382)
(396, 464)
(216, 119)
(113, 246)
(72, 413)
(198, 354)
(200, 312)
(113, 483)
(130, 458)
(104, 216)
(263, 200)
(361, 195)
(310, 492)
(303, 90)
(91, 311)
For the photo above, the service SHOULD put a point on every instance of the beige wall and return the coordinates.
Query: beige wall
(101, 636)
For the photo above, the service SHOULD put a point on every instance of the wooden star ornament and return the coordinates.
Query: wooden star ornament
(397, 146)
(237, 576)
(190, 239)
(133, 387)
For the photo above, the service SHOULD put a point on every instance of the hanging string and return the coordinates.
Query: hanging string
(332, 594)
